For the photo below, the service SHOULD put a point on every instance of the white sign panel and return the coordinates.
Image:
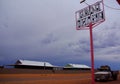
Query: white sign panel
(92, 14)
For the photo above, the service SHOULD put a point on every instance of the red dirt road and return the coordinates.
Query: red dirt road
(82, 78)
(45, 78)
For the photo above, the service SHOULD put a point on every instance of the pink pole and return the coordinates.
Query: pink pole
(92, 53)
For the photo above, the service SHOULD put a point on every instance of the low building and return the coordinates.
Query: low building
(27, 64)
(76, 67)
(1, 67)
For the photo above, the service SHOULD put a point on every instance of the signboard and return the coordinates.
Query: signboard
(93, 14)
(88, 18)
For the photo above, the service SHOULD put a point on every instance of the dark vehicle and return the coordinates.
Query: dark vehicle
(104, 73)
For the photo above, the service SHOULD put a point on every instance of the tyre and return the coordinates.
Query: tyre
(115, 77)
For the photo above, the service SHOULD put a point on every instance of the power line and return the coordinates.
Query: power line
(111, 7)
(103, 4)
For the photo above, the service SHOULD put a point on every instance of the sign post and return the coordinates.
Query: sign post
(92, 53)
(88, 18)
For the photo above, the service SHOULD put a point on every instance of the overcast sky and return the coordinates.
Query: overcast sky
(45, 30)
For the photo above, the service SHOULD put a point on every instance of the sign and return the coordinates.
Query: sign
(88, 18)
(92, 14)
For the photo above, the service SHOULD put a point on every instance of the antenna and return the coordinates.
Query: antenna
(82, 1)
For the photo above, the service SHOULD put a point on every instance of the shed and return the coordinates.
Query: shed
(76, 67)
(27, 64)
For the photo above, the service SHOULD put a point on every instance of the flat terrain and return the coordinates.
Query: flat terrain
(45, 78)
(50, 78)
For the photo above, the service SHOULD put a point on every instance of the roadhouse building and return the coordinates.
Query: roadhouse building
(26, 64)
(76, 67)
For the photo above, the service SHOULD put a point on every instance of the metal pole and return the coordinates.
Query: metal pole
(92, 53)
(44, 65)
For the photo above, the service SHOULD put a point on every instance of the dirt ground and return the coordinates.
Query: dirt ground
(82, 78)
(45, 78)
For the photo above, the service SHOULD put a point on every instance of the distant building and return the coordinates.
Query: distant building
(27, 64)
(1, 67)
(76, 67)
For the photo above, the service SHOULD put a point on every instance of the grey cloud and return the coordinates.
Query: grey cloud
(107, 44)
(107, 38)
(45, 30)
(116, 57)
(80, 48)
(50, 38)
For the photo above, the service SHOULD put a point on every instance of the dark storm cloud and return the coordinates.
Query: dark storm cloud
(45, 30)
(109, 37)
(80, 47)
(50, 38)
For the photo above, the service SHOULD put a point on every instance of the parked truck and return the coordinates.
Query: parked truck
(104, 73)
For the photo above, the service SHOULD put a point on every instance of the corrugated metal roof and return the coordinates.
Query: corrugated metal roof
(33, 63)
(76, 66)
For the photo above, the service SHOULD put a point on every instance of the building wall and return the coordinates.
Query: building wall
(47, 68)
(32, 67)
(38, 71)
(76, 69)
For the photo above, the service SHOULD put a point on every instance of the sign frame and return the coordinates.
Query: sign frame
(89, 17)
